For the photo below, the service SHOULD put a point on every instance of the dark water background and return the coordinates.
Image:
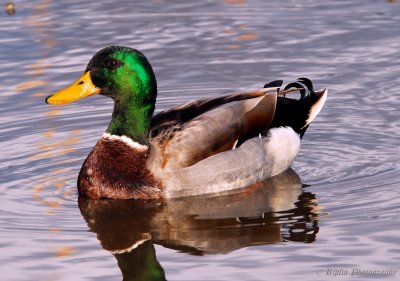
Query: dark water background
(346, 219)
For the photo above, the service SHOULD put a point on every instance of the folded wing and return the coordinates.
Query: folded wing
(187, 134)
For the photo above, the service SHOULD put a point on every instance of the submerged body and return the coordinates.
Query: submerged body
(205, 146)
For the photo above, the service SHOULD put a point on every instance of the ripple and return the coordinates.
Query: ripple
(346, 218)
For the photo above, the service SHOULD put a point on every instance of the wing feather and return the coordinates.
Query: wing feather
(187, 134)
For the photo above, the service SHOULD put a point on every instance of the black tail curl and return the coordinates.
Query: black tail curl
(305, 84)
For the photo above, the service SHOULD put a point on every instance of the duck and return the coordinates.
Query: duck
(206, 146)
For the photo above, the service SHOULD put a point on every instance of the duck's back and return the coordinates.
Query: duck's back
(185, 135)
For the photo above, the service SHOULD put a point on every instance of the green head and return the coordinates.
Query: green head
(125, 75)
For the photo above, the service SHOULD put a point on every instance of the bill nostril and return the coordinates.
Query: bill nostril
(80, 83)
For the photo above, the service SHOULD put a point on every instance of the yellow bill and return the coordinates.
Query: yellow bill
(81, 88)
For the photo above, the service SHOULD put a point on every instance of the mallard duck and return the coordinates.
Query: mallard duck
(204, 146)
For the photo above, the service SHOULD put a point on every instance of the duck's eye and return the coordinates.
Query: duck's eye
(113, 63)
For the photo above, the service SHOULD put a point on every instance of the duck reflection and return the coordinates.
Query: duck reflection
(275, 210)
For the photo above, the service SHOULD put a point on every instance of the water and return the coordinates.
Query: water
(335, 212)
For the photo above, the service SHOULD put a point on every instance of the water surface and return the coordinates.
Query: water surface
(337, 209)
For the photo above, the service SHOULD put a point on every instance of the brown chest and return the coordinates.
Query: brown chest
(114, 169)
